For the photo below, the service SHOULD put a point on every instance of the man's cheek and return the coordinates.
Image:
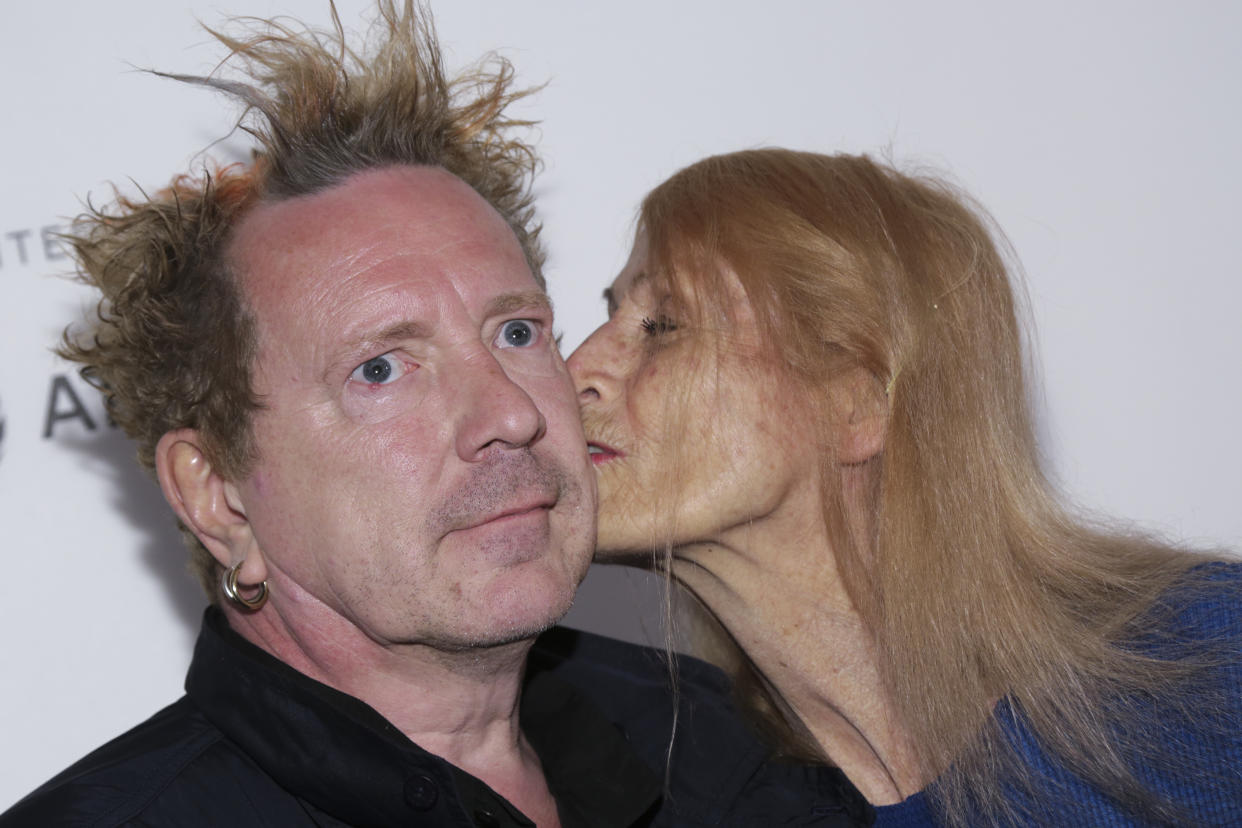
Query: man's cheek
(369, 405)
(555, 396)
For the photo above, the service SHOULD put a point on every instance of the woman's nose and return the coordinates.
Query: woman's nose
(593, 366)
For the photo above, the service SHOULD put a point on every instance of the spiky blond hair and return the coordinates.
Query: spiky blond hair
(172, 343)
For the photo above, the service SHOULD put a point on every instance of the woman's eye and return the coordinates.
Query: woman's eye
(659, 325)
(379, 370)
(517, 333)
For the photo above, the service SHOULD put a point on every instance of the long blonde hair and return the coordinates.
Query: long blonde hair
(977, 582)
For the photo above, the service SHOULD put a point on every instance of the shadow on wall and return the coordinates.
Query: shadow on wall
(622, 602)
(109, 454)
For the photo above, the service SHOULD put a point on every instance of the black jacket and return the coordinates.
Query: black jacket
(255, 743)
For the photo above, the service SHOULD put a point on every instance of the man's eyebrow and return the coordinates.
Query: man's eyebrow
(373, 342)
(523, 300)
(405, 329)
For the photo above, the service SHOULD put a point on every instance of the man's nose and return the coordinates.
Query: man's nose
(593, 367)
(494, 409)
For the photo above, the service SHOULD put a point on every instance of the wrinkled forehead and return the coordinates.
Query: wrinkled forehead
(633, 274)
(396, 240)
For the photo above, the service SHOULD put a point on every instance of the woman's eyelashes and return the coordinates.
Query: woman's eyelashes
(658, 326)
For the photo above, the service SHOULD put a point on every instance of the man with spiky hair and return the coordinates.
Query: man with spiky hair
(339, 363)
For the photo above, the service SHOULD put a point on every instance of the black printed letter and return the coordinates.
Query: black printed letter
(53, 247)
(19, 237)
(74, 411)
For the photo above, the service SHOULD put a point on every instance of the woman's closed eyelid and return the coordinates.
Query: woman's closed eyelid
(660, 324)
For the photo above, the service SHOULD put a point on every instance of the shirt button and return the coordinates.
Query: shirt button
(421, 792)
(485, 819)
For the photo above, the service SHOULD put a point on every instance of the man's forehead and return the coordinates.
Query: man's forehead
(419, 203)
(377, 229)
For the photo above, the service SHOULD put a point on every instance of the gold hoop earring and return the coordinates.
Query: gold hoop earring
(229, 584)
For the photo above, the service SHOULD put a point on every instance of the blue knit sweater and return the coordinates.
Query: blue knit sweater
(1207, 801)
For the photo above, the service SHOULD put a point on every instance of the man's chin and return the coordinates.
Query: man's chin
(524, 607)
(514, 635)
(503, 632)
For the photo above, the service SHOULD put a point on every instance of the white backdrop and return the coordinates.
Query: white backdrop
(1104, 137)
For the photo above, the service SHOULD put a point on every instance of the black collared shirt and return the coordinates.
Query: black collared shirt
(254, 742)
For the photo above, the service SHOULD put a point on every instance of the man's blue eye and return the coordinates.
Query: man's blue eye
(378, 370)
(516, 333)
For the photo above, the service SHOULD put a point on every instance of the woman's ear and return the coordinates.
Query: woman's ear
(860, 415)
(207, 503)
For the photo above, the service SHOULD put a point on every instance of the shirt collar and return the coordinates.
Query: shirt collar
(336, 752)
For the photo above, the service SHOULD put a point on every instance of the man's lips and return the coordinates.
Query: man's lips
(601, 453)
(511, 514)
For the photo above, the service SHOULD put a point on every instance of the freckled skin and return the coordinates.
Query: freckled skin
(381, 506)
(719, 458)
(708, 440)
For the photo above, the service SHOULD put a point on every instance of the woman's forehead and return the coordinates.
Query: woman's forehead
(627, 285)
(632, 274)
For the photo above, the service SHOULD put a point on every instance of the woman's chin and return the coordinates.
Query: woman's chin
(623, 548)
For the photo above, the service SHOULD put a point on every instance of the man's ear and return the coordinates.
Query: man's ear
(860, 415)
(207, 503)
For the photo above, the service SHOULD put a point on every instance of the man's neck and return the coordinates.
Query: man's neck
(461, 705)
